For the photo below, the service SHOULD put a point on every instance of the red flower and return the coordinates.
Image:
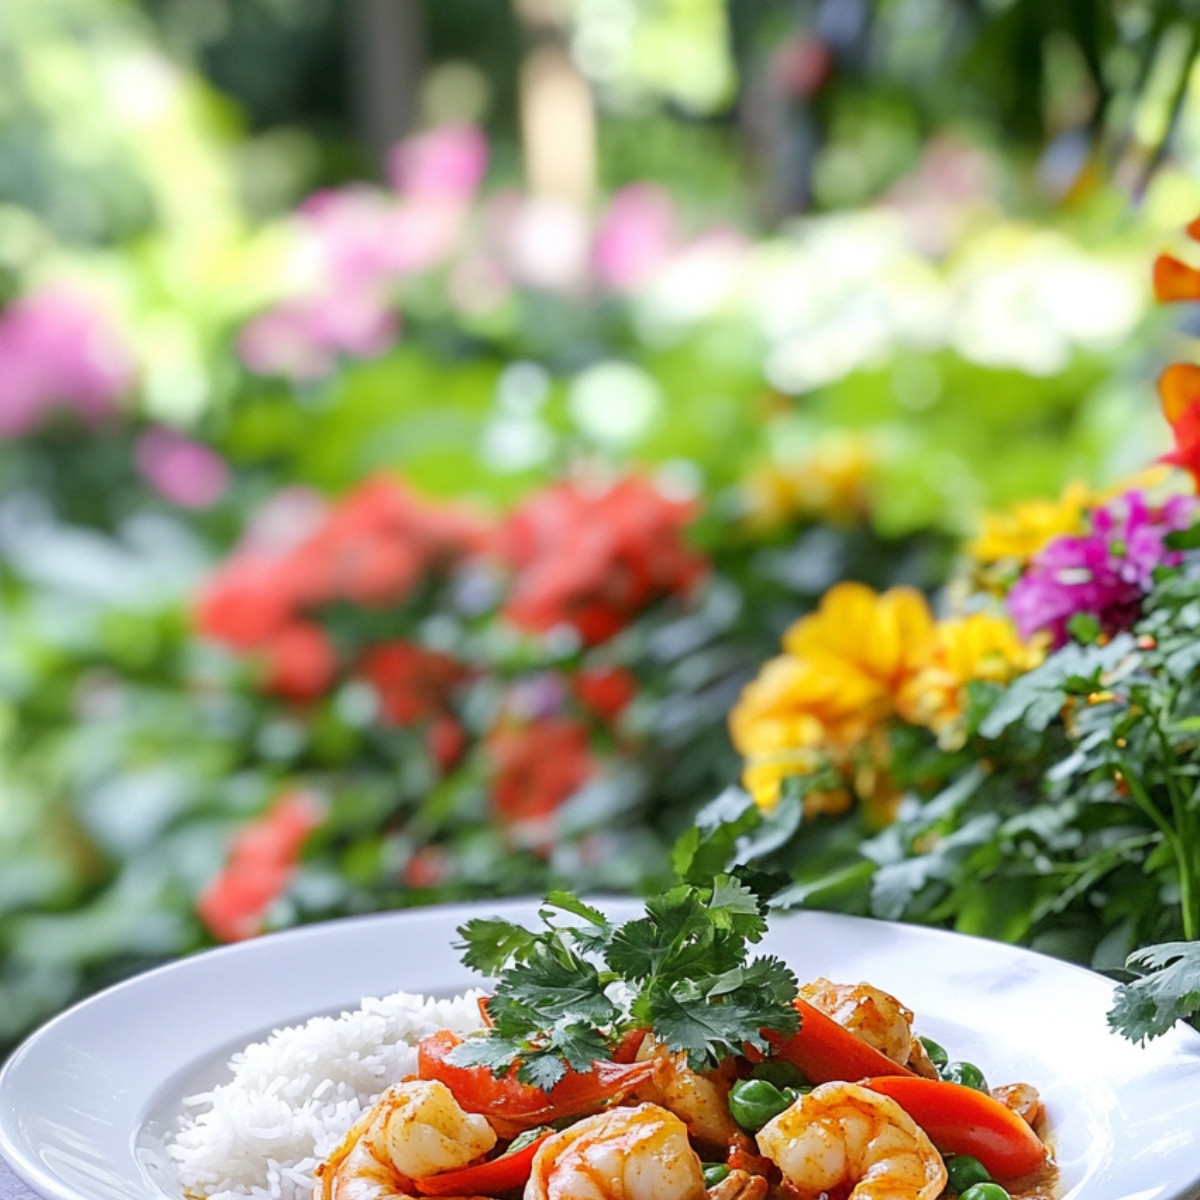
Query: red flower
(412, 683)
(372, 549)
(537, 767)
(245, 604)
(447, 741)
(428, 867)
(605, 690)
(594, 560)
(300, 663)
(380, 542)
(258, 868)
(1179, 390)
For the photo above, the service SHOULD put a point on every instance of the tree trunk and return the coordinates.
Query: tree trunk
(387, 56)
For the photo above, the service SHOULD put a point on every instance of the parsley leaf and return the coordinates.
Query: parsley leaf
(566, 994)
(1148, 1007)
(487, 945)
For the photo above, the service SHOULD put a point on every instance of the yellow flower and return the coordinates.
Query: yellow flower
(884, 638)
(847, 667)
(832, 483)
(1019, 534)
(979, 646)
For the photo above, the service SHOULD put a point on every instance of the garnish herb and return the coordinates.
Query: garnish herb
(566, 995)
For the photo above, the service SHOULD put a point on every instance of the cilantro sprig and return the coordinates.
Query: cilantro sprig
(566, 994)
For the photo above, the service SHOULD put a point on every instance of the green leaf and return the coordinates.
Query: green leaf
(1149, 1006)
(735, 906)
(710, 845)
(1084, 627)
(551, 987)
(572, 904)
(485, 1050)
(1183, 539)
(487, 944)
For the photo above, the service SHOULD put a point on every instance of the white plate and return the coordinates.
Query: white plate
(85, 1102)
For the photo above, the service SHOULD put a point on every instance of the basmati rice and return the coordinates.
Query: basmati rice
(292, 1097)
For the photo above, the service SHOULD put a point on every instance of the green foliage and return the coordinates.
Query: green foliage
(1149, 1006)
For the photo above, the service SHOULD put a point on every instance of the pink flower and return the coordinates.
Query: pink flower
(347, 232)
(635, 237)
(302, 339)
(58, 351)
(445, 164)
(186, 472)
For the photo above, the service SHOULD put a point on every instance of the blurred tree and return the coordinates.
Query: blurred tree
(1081, 89)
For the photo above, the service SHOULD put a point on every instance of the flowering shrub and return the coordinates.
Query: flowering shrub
(825, 712)
(375, 549)
(1036, 755)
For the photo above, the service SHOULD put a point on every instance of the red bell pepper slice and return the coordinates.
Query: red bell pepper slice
(961, 1120)
(520, 1105)
(500, 1174)
(825, 1051)
(627, 1048)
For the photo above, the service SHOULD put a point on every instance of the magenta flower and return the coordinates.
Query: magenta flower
(1105, 573)
(57, 351)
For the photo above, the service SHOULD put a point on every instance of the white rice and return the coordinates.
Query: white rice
(292, 1097)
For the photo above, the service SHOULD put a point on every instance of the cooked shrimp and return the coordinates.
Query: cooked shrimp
(700, 1101)
(843, 1135)
(416, 1128)
(638, 1153)
(1023, 1099)
(873, 1016)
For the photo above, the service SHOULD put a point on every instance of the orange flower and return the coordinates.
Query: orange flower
(1175, 280)
(413, 684)
(1179, 390)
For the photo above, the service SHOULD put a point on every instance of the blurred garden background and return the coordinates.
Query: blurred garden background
(421, 419)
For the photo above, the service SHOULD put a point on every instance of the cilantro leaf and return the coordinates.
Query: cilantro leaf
(566, 994)
(736, 907)
(487, 944)
(552, 988)
(485, 1050)
(1148, 1007)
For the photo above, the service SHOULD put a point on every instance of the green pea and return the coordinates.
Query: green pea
(781, 1074)
(937, 1054)
(968, 1074)
(714, 1173)
(985, 1191)
(963, 1172)
(753, 1102)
